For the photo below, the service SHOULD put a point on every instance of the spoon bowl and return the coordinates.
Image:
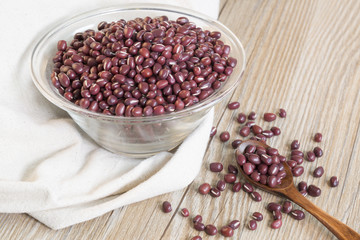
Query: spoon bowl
(287, 189)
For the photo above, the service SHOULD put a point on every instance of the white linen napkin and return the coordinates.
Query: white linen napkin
(49, 168)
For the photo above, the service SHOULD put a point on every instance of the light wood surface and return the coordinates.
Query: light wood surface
(303, 56)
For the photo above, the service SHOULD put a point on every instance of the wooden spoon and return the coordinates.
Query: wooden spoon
(287, 189)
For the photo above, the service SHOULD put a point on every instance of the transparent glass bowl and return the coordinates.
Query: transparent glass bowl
(132, 136)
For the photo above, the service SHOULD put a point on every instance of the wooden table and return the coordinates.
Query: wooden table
(303, 56)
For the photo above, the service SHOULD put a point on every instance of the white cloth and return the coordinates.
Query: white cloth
(48, 167)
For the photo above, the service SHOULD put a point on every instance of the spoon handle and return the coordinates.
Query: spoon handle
(339, 229)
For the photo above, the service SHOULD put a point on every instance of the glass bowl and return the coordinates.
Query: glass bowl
(136, 137)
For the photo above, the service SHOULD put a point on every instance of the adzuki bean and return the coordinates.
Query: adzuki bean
(175, 63)
(257, 216)
(282, 113)
(318, 137)
(318, 172)
(252, 225)
(334, 182)
(235, 224)
(227, 231)
(166, 207)
(210, 230)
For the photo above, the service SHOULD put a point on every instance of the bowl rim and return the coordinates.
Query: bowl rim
(68, 106)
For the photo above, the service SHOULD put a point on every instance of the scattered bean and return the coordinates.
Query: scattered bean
(166, 206)
(318, 152)
(211, 230)
(225, 136)
(334, 182)
(252, 116)
(286, 207)
(221, 185)
(318, 172)
(241, 118)
(297, 214)
(236, 187)
(269, 117)
(256, 196)
(204, 188)
(310, 156)
(318, 137)
(197, 218)
(282, 113)
(314, 191)
(276, 224)
(236, 143)
(233, 105)
(257, 216)
(199, 226)
(214, 192)
(235, 224)
(213, 131)
(295, 145)
(227, 231)
(216, 167)
(185, 212)
(252, 225)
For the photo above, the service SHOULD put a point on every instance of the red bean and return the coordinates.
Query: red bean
(225, 136)
(216, 167)
(318, 152)
(276, 224)
(318, 172)
(269, 117)
(204, 188)
(282, 113)
(245, 131)
(252, 116)
(227, 231)
(214, 192)
(213, 131)
(276, 131)
(252, 225)
(235, 224)
(334, 182)
(199, 226)
(302, 186)
(210, 230)
(286, 207)
(257, 216)
(197, 218)
(196, 238)
(310, 156)
(166, 206)
(236, 143)
(233, 105)
(256, 196)
(318, 137)
(241, 118)
(295, 145)
(314, 191)
(230, 178)
(256, 129)
(297, 214)
(297, 171)
(236, 187)
(221, 185)
(185, 212)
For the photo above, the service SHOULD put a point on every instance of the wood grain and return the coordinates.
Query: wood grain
(303, 56)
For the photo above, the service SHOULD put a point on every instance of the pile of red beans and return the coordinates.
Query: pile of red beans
(263, 165)
(142, 67)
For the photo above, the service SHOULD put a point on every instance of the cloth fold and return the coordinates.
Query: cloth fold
(49, 167)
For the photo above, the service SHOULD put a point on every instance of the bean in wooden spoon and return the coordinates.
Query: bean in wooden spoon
(287, 189)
